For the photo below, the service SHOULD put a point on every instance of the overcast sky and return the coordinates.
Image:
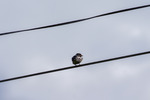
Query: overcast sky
(97, 39)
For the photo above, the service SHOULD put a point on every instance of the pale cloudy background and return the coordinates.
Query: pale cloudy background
(97, 39)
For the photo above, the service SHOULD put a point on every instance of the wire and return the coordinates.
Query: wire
(71, 67)
(76, 21)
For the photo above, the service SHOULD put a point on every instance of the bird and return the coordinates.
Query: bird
(76, 59)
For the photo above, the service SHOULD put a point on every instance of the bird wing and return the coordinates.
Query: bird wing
(73, 58)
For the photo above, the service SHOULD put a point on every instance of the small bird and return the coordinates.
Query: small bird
(76, 59)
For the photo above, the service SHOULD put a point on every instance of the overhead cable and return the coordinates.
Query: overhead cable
(76, 21)
(71, 67)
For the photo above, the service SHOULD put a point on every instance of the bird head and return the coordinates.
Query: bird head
(79, 54)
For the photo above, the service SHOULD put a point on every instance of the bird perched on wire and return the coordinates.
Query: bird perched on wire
(76, 59)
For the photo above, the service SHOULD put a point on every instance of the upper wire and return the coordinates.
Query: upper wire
(76, 21)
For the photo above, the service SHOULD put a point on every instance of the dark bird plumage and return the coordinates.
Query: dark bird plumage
(76, 59)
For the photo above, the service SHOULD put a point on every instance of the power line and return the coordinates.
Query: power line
(71, 67)
(76, 21)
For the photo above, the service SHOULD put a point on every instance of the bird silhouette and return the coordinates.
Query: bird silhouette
(76, 59)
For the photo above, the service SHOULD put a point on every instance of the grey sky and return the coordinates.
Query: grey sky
(97, 39)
